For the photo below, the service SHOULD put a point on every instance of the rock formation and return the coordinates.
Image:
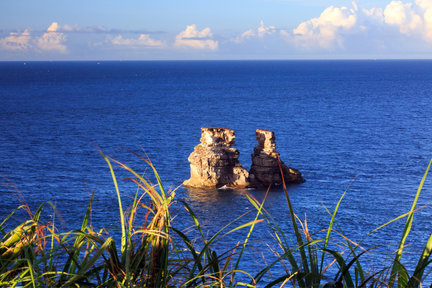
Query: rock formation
(214, 162)
(265, 168)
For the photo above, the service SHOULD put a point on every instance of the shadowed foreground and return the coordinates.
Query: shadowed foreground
(154, 253)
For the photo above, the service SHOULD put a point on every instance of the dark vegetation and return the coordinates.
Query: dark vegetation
(155, 253)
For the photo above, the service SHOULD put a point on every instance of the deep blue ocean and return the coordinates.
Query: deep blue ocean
(365, 122)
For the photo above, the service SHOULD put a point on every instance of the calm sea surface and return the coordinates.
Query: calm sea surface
(334, 121)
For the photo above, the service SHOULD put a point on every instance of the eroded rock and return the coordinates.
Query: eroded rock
(265, 169)
(214, 162)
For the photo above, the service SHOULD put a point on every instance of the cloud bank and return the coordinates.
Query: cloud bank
(191, 37)
(143, 40)
(16, 41)
(260, 32)
(337, 24)
(411, 18)
(51, 40)
(324, 31)
(398, 28)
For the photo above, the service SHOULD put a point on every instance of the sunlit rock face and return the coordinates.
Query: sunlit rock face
(214, 162)
(265, 169)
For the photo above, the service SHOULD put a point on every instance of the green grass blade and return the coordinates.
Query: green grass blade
(122, 220)
(74, 255)
(330, 227)
(354, 260)
(397, 269)
(247, 238)
(415, 279)
(39, 211)
(190, 247)
(162, 190)
(304, 258)
(30, 268)
(279, 280)
(300, 274)
(277, 230)
(147, 160)
(194, 218)
(7, 218)
(128, 248)
(251, 223)
(365, 281)
(359, 270)
(51, 251)
(82, 272)
(206, 249)
(87, 214)
(343, 267)
(156, 198)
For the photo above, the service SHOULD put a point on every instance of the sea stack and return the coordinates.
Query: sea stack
(265, 170)
(214, 162)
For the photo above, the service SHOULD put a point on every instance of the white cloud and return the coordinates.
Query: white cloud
(428, 24)
(403, 16)
(411, 18)
(335, 25)
(400, 25)
(193, 38)
(245, 35)
(143, 40)
(53, 27)
(49, 41)
(260, 32)
(52, 40)
(16, 41)
(265, 30)
(424, 4)
(324, 30)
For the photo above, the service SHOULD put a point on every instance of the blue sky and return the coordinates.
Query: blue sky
(204, 29)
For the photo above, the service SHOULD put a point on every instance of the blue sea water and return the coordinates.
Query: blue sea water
(365, 122)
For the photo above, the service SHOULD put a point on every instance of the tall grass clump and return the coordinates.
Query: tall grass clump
(151, 251)
(308, 258)
(36, 254)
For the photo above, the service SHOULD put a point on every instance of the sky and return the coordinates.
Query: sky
(214, 29)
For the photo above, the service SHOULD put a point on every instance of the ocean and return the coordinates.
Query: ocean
(360, 126)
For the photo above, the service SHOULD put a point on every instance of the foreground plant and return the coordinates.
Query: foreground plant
(38, 255)
(155, 253)
(307, 269)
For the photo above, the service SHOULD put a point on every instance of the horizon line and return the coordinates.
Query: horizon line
(222, 60)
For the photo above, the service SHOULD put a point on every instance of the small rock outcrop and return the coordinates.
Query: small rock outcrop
(214, 162)
(265, 168)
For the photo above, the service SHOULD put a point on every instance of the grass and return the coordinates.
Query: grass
(153, 252)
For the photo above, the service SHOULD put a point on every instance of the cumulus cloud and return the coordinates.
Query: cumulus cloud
(260, 32)
(403, 16)
(53, 27)
(16, 41)
(265, 30)
(245, 35)
(193, 38)
(425, 4)
(428, 23)
(52, 40)
(400, 25)
(143, 40)
(335, 24)
(411, 18)
(324, 30)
